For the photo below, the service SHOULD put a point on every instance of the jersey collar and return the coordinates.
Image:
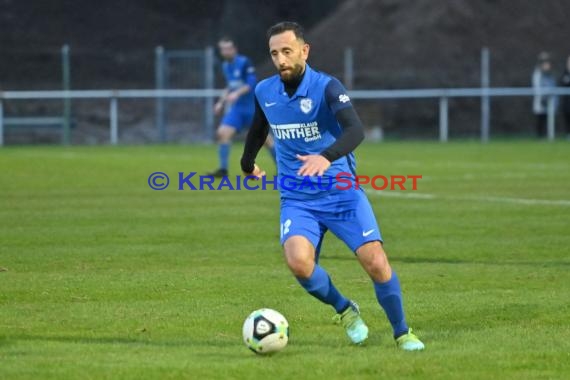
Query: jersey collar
(303, 88)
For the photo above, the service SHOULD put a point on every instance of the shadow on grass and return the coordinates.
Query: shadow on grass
(188, 343)
(121, 340)
(441, 260)
(210, 348)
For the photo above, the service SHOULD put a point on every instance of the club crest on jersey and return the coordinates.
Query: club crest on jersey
(236, 73)
(306, 105)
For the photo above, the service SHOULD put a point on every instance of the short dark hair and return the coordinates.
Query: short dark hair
(285, 26)
(226, 38)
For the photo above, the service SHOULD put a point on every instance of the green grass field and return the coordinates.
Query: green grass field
(103, 277)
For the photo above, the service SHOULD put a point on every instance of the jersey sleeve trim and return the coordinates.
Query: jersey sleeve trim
(336, 96)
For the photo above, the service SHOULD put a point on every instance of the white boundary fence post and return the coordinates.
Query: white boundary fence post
(551, 125)
(1, 122)
(443, 119)
(348, 68)
(485, 98)
(159, 84)
(209, 81)
(114, 120)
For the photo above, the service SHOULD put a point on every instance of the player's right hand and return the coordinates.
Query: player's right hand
(257, 172)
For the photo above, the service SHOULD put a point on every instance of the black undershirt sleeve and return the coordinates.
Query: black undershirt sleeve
(255, 139)
(352, 135)
(352, 129)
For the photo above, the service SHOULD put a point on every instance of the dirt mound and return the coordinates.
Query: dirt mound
(420, 43)
(437, 43)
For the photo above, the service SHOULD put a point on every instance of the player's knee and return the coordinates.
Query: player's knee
(224, 135)
(374, 260)
(381, 261)
(300, 267)
(300, 256)
(225, 139)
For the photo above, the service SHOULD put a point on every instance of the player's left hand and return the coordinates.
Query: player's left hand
(313, 164)
(218, 108)
(232, 97)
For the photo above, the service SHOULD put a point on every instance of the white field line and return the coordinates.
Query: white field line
(521, 201)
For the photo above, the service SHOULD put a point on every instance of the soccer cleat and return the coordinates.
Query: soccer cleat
(219, 173)
(409, 342)
(355, 327)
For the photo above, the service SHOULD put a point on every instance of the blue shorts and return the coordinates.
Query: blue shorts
(347, 214)
(238, 117)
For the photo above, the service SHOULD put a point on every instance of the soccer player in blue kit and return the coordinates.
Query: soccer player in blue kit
(316, 128)
(237, 100)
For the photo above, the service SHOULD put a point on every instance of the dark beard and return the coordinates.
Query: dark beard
(295, 77)
(294, 80)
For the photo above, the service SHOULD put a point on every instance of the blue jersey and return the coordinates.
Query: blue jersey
(305, 123)
(237, 73)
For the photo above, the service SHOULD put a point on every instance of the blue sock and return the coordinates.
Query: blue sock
(320, 286)
(272, 152)
(389, 296)
(224, 153)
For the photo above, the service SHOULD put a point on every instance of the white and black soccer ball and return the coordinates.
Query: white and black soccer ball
(265, 331)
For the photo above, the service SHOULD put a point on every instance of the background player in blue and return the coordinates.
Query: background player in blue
(237, 101)
(316, 128)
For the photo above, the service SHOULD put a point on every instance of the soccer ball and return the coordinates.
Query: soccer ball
(265, 331)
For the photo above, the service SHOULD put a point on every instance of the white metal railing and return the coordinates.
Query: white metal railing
(442, 94)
